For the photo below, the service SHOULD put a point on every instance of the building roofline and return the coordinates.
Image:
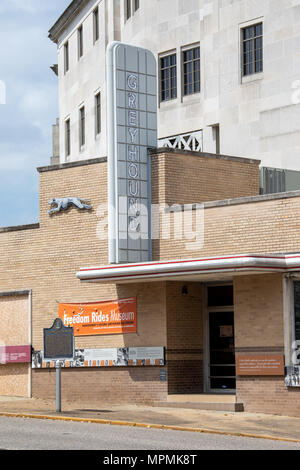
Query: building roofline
(75, 164)
(71, 11)
(236, 201)
(19, 228)
(192, 153)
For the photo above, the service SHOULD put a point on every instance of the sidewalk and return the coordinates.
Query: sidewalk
(248, 424)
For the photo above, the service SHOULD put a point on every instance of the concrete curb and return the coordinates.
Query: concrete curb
(148, 426)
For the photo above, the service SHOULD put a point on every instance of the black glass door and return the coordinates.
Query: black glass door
(222, 354)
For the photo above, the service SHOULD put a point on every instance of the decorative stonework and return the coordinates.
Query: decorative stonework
(191, 141)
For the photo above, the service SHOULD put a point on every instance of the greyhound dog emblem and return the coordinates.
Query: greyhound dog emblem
(65, 202)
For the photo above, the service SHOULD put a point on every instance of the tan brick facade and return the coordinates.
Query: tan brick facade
(14, 315)
(270, 226)
(259, 330)
(14, 330)
(180, 177)
(258, 310)
(14, 380)
(46, 257)
(185, 338)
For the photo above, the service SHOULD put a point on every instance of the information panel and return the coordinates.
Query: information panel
(260, 365)
(15, 354)
(108, 357)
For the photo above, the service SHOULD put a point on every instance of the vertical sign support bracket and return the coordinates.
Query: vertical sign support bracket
(58, 346)
(58, 387)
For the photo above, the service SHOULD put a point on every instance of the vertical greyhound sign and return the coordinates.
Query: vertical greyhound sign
(132, 130)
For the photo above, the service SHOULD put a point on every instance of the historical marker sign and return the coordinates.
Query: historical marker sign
(132, 130)
(58, 342)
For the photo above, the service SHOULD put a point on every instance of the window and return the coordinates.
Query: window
(82, 127)
(252, 49)
(131, 6)
(218, 296)
(66, 57)
(96, 24)
(80, 42)
(168, 77)
(128, 9)
(68, 137)
(216, 137)
(191, 71)
(98, 113)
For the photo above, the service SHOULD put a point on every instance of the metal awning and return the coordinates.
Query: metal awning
(202, 269)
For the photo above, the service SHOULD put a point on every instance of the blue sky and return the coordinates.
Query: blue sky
(31, 108)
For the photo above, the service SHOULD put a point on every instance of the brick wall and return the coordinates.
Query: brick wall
(258, 310)
(14, 380)
(14, 326)
(184, 338)
(46, 259)
(181, 177)
(99, 386)
(268, 395)
(260, 227)
(259, 331)
(14, 331)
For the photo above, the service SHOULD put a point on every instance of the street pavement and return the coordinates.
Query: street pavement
(285, 429)
(34, 434)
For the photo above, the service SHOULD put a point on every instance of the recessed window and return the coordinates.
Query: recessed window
(220, 296)
(191, 71)
(82, 127)
(131, 6)
(252, 49)
(96, 24)
(168, 77)
(98, 113)
(66, 57)
(216, 137)
(80, 41)
(128, 9)
(68, 137)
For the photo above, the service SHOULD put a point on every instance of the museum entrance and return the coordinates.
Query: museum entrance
(220, 367)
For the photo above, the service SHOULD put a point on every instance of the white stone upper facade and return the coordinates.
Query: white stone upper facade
(256, 115)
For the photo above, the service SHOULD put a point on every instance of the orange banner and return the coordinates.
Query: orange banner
(103, 318)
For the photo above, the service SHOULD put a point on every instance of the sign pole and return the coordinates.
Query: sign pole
(58, 346)
(58, 387)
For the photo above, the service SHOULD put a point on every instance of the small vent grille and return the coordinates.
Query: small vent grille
(273, 181)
